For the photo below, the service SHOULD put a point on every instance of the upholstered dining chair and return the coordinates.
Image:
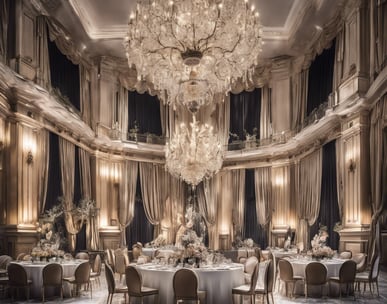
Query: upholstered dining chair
(370, 277)
(135, 287)
(249, 267)
(52, 276)
(111, 283)
(347, 254)
(346, 276)
(82, 256)
(268, 277)
(315, 274)
(361, 261)
(248, 289)
(185, 287)
(136, 251)
(109, 259)
(120, 263)
(20, 256)
(5, 260)
(96, 270)
(286, 275)
(17, 278)
(81, 277)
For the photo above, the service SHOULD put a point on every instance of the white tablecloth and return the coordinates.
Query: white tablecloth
(333, 269)
(216, 281)
(34, 273)
(163, 252)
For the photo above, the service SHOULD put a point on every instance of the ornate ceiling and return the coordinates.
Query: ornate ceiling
(289, 26)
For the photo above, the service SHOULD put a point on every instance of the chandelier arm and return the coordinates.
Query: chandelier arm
(210, 36)
(224, 51)
(174, 35)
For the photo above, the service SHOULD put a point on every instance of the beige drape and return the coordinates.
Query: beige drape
(308, 191)
(265, 121)
(44, 157)
(43, 72)
(238, 195)
(338, 72)
(127, 197)
(92, 232)
(177, 196)
(153, 185)
(67, 166)
(208, 206)
(299, 96)
(377, 159)
(263, 195)
(85, 83)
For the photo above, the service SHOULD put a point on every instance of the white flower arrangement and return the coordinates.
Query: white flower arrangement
(319, 247)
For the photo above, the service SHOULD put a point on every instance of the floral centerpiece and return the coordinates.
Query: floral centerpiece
(160, 241)
(50, 240)
(319, 248)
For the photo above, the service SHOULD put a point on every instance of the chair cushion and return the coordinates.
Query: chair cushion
(241, 288)
(335, 279)
(148, 290)
(69, 279)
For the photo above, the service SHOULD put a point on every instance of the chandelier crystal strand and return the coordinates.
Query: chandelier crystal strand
(194, 153)
(193, 49)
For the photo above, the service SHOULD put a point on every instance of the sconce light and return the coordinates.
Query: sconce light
(30, 158)
(352, 166)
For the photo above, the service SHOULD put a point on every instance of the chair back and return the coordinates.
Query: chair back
(82, 256)
(315, 273)
(82, 273)
(250, 264)
(109, 274)
(20, 256)
(347, 272)
(258, 253)
(52, 274)
(17, 275)
(361, 261)
(133, 281)
(345, 254)
(97, 264)
(120, 264)
(185, 284)
(285, 270)
(4, 261)
(374, 272)
(136, 251)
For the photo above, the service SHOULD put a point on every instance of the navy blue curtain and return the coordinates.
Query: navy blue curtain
(252, 229)
(144, 110)
(245, 113)
(140, 229)
(320, 79)
(64, 75)
(329, 213)
(54, 190)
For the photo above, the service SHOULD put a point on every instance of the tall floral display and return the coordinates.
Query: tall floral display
(319, 247)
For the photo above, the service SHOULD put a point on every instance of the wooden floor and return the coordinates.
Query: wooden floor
(100, 296)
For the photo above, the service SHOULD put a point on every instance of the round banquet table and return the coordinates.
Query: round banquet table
(217, 281)
(332, 266)
(35, 274)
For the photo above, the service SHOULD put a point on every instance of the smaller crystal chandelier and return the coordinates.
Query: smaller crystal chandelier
(194, 153)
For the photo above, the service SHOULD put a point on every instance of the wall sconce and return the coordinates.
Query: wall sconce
(30, 158)
(352, 166)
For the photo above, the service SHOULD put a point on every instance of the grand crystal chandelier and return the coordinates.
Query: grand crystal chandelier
(194, 152)
(191, 50)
